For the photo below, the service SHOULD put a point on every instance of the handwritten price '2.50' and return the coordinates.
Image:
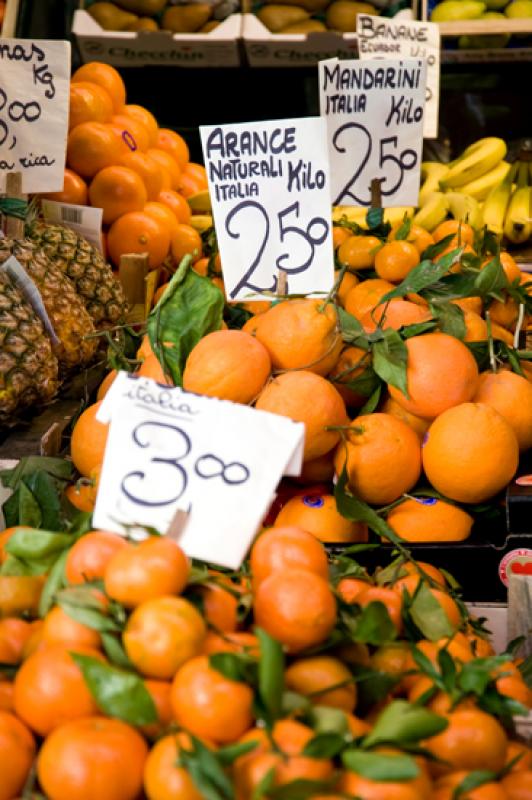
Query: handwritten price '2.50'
(206, 466)
(406, 161)
(314, 235)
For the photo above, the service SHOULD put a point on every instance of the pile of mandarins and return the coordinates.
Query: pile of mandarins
(119, 160)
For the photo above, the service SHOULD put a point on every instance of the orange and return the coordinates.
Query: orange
(50, 689)
(87, 444)
(352, 363)
(394, 315)
(105, 76)
(231, 642)
(20, 595)
(296, 607)
(162, 214)
(349, 589)
(318, 515)
(441, 373)
(525, 756)
(89, 102)
(133, 132)
(348, 281)
(82, 494)
(451, 609)
(151, 368)
(418, 236)
(366, 295)
(17, 751)
(374, 443)
(365, 789)
(93, 757)
(395, 260)
(89, 556)
(117, 190)
(106, 384)
(339, 235)
(358, 252)
(511, 395)
(288, 547)
(301, 334)
(219, 607)
(230, 365)
(147, 169)
(498, 332)
(445, 788)
(473, 740)
(185, 241)
(162, 634)
(388, 598)
(193, 180)
(74, 190)
(155, 567)
(92, 146)
(164, 778)
(207, 704)
(60, 628)
(476, 327)
(427, 519)
(160, 692)
(137, 232)
(291, 738)
(146, 119)
(177, 204)
(168, 165)
(423, 569)
(469, 304)
(463, 233)
(394, 659)
(470, 453)
(518, 785)
(504, 313)
(308, 398)
(6, 696)
(315, 677)
(510, 267)
(418, 424)
(318, 470)
(173, 144)
(14, 634)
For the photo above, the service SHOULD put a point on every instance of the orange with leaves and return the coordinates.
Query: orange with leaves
(358, 252)
(17, 751)
(88, 557)
(375, 441)
(326, 680)
(366, 296)
(518, 785)
(352, 363)
(445, 789)
(473, 740)
(395, 314)
(164, 778)
(87, 444)
(287, 547)
(59, 628)
(395, 260)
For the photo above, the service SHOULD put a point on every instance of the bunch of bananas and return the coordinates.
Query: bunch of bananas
(460, 188)
(508, 207)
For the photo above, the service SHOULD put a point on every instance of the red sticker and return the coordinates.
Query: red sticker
(518, 562)
(524, 480)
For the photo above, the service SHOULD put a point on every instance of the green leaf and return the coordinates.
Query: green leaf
(292, 702)
(417, 329)
(54, 582)
(404, 228)
(453, 286)
(450, 319)
(47, 494)
(373, 686)
(373, 401)
(381, 767)
(492, 278)
(364, 384)
(473, 781)
(424, 275)
(118, 694)
(56, 467)
(228, 754)
(206, 771)
(15, 566)
(434, 250)
(115, 652)
(22, 508)
(34, 545)
(82, 606)
(264, 786)
(271, 673)
(447, 669)
(429, 616)
(374, 625)
(350, 327)
(324, 745)
(300, 789)
(390, 358)
(326, 719)
(403, 723)
(191, 307)
(356, 510)
(230, 665)
(475, 676)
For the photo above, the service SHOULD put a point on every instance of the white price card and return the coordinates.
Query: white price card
(85, 220)
(379, 37)
(270, 192)
(34, 99)
(168, 450)
(374, 112)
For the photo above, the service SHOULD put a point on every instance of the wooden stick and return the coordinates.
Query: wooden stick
(376, 194)
(14, 227)
(178, 525)
(520, 611)
(132, 273)
(282, 283)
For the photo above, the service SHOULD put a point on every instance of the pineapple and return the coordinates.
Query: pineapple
(87, 269)
(66, 311)
(28, 367)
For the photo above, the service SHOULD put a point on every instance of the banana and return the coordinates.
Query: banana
(518, 220)
(433, 211)
(200, 203)
(358, 215)
(496, 203)
(481, 187)
(475, 161)
(465, 208)
(432, 172)
(201, 222)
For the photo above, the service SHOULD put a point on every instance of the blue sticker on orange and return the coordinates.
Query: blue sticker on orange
(313, 501)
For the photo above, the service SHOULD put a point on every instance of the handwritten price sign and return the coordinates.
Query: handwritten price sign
(34, 95)
(374, 112)
(168, 450)
(269, 184)
(389, 38)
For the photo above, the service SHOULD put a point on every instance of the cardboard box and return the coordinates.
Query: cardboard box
(219, 48)
(266, 49)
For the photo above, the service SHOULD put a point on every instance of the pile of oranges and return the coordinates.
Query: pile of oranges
(119, 160)
(298, 676)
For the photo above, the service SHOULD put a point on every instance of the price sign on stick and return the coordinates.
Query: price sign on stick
(168, 450)
(374, 112)
(34, 97)
(390, 38)
(269, 185)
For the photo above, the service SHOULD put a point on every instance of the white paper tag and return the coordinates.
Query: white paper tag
(85, 220)
(169, 450)
(270, 191)
(390, 38)
(34, 99)
(374, 112)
